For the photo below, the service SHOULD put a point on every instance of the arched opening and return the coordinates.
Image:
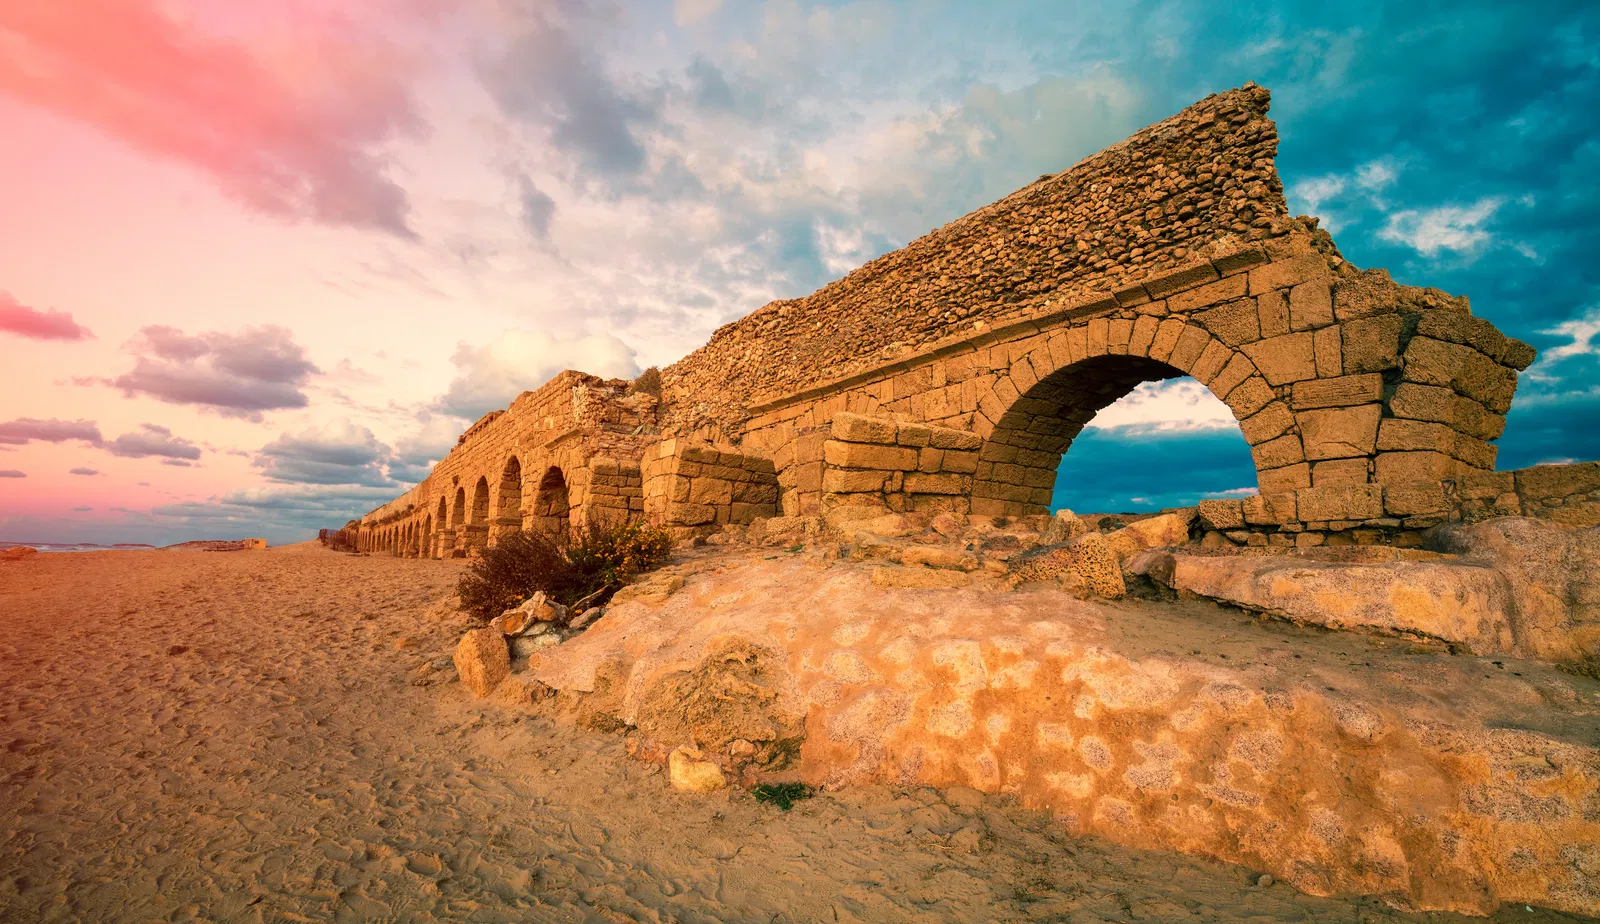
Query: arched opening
(1123, 468)
(1165, 444)
(425, 549)
(550, 505)
(508, 501)
(458, 516)
(480, 502)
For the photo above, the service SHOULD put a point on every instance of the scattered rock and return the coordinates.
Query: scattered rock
(1164, 531)
(1085, 565)
(1457, 602)
(934, 556)
(482, 660)
(1062, 528)
(537, 609)
(690, 773)
(523, 646)
(586, 617)
(1264, 881)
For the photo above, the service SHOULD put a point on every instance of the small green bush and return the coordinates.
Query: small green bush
(783, 795)
(590, 561)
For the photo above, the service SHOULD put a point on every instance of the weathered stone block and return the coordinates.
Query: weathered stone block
(1210, 294)
(1191, 343)
(1222, 514)
(1339, 472)
(1395, 467)
(1283, 274)
(1518, 355)
(1342, 391)
(1547, 482)
(1486, 485)
(1144, 334)
(1270, 509)
(482, 660)
(1238, 369)
(1340, 502)
(1397, 433)
(1166, 338)
(948, 438)
(922, 483)
(1372, 344)
(1338, 433)
(1270, 422)
(1235, 323)
(1329, 348)
(1288, 478)
(1460, 327)
(962, 462)
(1424, 402)
(1310, 306)
(1272, 310)
(1415, 498)
(1251, 396)
(869, 455)
(1436, 362)
(1180, 279)
(913, 435)
(1211, 362)
(1473, 452)
(1284, 359)
(1285, 450)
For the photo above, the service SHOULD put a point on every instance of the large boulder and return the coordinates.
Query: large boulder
(1469, 605)
(1085, 566)
(1163, 531)
(482, 660)
(1062, 528)
(1554, 575)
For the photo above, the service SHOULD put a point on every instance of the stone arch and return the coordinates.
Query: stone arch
(1032, 412)
(508, 501)
(458, 516)
(552, 507)
(479, 512)
(427, 548)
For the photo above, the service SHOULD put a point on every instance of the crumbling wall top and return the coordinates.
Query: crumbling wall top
(1198, 184)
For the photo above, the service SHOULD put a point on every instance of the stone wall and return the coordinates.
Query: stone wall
(872, 466)
(1366, 405)
(696, 488)
(559, 456)
(1194, 185)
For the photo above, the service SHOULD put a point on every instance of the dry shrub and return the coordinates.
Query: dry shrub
(648, 382)
(588, 562)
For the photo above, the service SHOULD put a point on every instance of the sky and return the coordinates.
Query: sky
(263, 261)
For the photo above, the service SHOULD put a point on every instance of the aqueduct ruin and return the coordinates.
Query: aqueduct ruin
(953, 374)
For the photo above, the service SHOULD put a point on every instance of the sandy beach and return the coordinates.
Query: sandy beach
(247, 737)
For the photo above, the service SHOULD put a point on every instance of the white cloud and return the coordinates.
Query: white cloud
(489, 377)
(1581, 332)
(1175, 404)
(689, 12)
(1449, 227)
(1310, 194)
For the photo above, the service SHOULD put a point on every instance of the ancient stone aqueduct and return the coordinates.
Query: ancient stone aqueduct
(970, 358)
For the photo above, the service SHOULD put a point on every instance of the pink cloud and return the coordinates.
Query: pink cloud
(17, 318)
(291, 133)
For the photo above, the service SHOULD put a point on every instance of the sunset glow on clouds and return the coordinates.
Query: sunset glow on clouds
(264, 261)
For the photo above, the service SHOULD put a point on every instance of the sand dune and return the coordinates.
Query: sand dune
(247, 738)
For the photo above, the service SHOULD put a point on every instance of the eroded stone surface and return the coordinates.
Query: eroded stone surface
(1329, 761)
(482, 660)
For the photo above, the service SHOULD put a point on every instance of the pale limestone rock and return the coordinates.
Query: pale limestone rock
(934, 556)
(535, 610)
(1466, 604)
(918, 578)
(691, 774)
(1084, 566)
(482, 660)
(1164, 531)
(1554, 575)
(1062, 528)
